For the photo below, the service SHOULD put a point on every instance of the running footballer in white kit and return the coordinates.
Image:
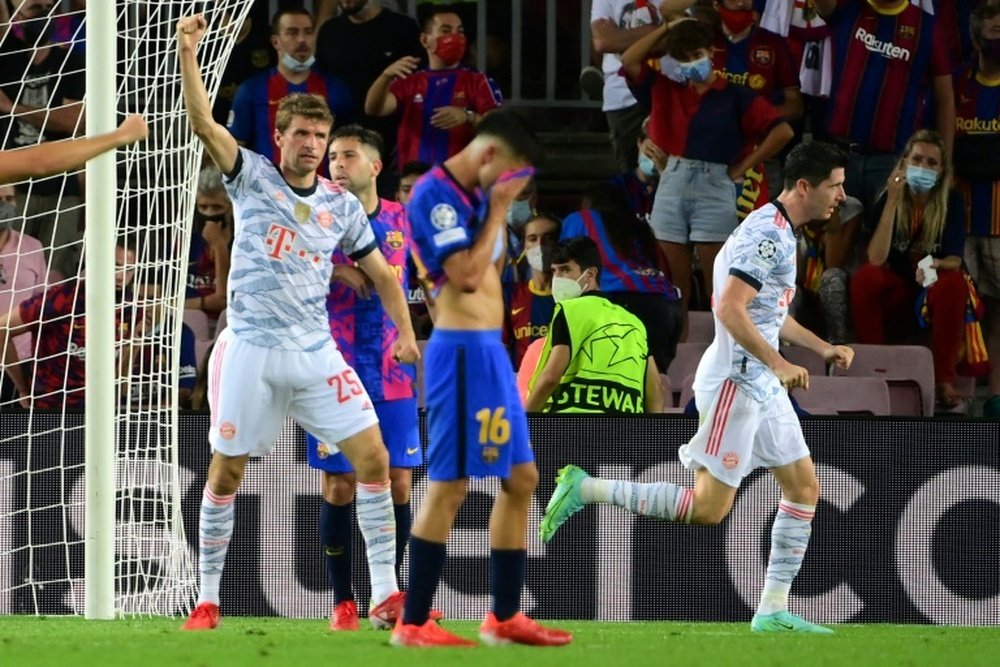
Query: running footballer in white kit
(741, 390)
(277, 358)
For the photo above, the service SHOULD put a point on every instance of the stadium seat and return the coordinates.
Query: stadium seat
(808, 359)
(844, 395)
(687, 392)
(668, 395)
(685, 363)
(908, 370)
(701, 326)
(198, 321)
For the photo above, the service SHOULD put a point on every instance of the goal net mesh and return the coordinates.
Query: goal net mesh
(41, 283)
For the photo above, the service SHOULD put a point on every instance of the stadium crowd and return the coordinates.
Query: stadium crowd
(703, 99)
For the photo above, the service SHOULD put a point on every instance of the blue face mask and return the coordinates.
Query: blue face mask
(647, 166)
(697, 71)
(519, 213)
(296, 65)
(920, 179)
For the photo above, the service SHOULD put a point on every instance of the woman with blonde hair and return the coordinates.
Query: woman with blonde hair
(916, 216)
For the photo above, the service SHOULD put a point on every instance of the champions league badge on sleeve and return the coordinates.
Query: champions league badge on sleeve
(445, 220)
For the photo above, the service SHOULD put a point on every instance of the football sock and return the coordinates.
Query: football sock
(335, 537)
(789, 539)
(507, 580)
(404, 519)
(426, 563)
(215, 529)
(661, 500)
(378, 527)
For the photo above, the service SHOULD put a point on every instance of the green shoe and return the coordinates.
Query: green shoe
(565, 502)
(783, 621)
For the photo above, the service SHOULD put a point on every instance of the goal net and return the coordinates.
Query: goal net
(42, 482)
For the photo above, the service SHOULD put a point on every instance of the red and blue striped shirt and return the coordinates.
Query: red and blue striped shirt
(422, 93)
(883, 66)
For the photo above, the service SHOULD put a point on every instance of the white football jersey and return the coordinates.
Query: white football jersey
(281, 261)
(761, 252)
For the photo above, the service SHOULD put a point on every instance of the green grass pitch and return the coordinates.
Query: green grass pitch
(243, 642)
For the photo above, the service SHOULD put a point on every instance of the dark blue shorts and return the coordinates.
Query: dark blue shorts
(475, 419)
(400, 432)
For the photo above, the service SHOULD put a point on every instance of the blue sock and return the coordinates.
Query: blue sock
(507, 580)
(426, 563)
(404, 519)
(335, 536)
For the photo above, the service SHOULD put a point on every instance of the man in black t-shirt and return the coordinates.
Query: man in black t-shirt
(356, 47)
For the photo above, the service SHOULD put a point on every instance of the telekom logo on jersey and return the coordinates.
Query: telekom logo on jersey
(281, 241)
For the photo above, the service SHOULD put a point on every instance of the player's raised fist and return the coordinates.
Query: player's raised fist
(190, 29)
(133, 128)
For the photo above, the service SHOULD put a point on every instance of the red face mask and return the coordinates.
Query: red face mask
(450, 48)
(735, 20)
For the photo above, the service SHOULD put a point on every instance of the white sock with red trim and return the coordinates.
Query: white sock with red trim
(215, 529)
(789, 539)
(377, 521)
(661, 500)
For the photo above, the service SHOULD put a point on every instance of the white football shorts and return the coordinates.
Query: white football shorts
(252, 389)
(737, 434)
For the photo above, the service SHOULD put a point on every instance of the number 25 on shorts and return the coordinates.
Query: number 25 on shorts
(494, 428)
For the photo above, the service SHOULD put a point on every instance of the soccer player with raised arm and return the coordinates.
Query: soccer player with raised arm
(58, 156)
(365, 336)
(476, 424)
(741, 391)
(277, 358)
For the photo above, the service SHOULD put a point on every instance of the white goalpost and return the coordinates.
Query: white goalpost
(90, 483)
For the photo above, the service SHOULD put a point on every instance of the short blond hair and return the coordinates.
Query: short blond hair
(305, 105)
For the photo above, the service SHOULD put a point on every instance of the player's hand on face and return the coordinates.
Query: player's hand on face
(133, 128)
(791, 376)
(839, 355)
(190, 30)
(405, 66)
(507, 188)
(445, 118)
(354, 278)
(405, 350)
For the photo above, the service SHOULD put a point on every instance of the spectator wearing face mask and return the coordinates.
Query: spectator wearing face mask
(529, 302)
(634, 274)
(208, 258)
(596, 357)
(255, 105)
(713, 132)
(639, 184)
(439, 106)
(914, 274)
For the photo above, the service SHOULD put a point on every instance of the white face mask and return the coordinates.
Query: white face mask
(535, 259)
(565, 288)
(296, 65)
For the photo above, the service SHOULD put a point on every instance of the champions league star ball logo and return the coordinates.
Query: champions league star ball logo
(444, 216)
(766, 249)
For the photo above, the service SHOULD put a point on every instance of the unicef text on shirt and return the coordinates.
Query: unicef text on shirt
(875, 45)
